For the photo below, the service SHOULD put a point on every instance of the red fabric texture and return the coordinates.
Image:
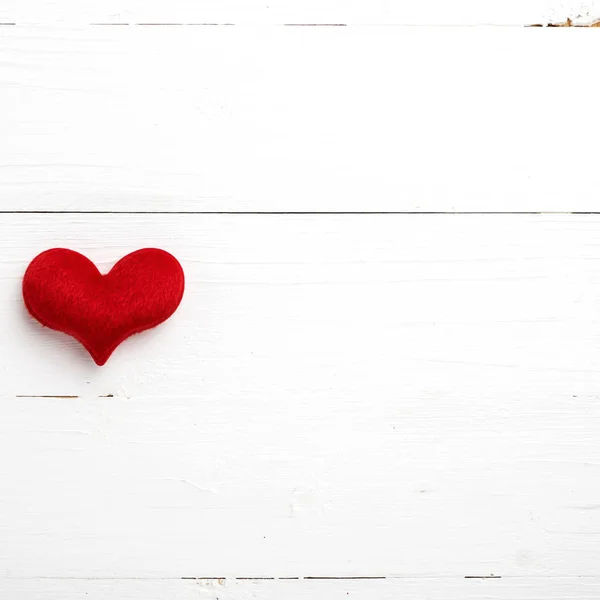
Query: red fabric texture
(65, 291)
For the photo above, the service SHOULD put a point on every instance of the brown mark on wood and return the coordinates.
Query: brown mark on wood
(567, 23)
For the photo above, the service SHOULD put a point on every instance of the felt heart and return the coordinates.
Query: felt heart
(65, 291)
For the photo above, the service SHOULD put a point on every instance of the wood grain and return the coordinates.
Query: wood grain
(345, 405)
(351, 12)
(339, 395)
(548, 588)
(301, 119)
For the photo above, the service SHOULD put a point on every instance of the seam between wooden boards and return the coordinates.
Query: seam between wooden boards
(292, 212)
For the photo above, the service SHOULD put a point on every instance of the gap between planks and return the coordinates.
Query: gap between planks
(54, 397)
(330, 578)
(294, 578)
(293, 212)
(567, 23)
(307, 578)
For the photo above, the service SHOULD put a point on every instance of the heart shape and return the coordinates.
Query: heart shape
(65, 291)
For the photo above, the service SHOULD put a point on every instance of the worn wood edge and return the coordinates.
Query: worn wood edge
(568, 23)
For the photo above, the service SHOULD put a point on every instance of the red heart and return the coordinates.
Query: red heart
(64, 290)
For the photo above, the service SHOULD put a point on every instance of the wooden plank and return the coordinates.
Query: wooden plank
(338, 395)
(301, 119)
(433, 12)
(547, 588)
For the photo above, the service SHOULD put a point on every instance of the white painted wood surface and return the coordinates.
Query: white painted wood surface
(298, 119)
(439, 588)
(350, 12)
(339, 395)
(410, 398)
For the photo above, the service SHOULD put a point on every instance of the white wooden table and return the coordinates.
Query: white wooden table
(383, 379)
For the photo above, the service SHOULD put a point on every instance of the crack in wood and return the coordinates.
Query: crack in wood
(68, 397)
(297, 212)
(44, 396)
(162, 24)
(307, 577)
